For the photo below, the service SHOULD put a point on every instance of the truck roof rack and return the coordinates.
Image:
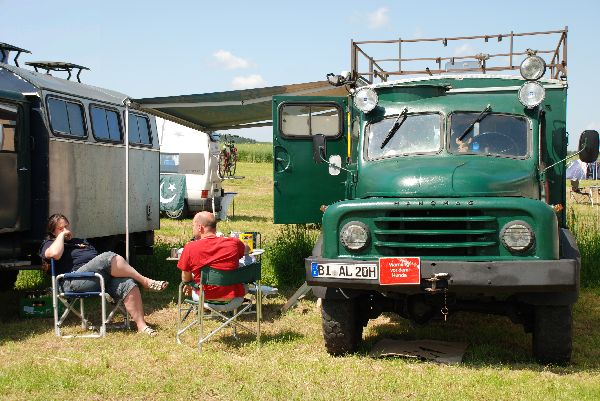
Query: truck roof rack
(384, 68)
(57, 66)
(5, 50)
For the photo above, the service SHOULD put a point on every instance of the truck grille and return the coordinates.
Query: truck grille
(436, 233)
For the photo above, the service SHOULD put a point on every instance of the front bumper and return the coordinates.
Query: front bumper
(509, 277)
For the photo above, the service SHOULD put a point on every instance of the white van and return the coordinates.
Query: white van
(195, 154)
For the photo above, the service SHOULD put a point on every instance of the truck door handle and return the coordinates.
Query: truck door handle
(23, 169)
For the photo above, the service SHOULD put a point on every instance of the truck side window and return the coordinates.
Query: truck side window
(66, 118)
(306, 120)
(105, 124)
(139, 130)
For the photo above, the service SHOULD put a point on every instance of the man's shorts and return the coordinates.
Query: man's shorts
(116, 287)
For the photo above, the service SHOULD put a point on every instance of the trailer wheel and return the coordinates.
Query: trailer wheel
(552, 334)
(8, 278)
(341, 329)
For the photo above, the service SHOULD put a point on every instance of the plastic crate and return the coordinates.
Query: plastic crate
(36, 305)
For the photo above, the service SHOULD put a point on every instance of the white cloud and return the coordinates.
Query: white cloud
(250, 81)
(230, 62)
(595, 125)
(378, 18)
(464, 50)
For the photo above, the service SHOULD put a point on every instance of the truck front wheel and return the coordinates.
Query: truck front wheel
(342, 329)
(552, 334)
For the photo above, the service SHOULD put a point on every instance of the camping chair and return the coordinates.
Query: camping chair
(71, 299)
(579, 194)
(227, 313)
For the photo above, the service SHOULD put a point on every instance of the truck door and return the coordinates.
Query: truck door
(14, 167)
(301, 179)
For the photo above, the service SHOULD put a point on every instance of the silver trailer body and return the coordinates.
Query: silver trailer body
(81, 176)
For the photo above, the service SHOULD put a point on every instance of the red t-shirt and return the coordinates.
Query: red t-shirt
(218, 252)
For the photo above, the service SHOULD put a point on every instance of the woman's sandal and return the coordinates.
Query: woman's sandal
(157, 286)
(149, 331)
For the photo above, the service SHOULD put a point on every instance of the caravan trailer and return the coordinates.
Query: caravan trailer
(63, 151)
(195, 154)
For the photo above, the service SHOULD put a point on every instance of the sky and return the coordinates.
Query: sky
(159, 48)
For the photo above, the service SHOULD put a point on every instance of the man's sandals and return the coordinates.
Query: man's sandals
(157, 286)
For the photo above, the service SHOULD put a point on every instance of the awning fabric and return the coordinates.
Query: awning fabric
(231, 109)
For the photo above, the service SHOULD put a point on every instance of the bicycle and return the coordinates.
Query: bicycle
(227, 159)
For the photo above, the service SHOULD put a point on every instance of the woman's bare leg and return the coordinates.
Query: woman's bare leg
(133, 304)
(120, 268)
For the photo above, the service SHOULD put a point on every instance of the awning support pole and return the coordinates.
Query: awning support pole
(127, 104)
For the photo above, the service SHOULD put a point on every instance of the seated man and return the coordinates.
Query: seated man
(209, 250)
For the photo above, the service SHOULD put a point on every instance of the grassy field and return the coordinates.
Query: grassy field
(292, 362)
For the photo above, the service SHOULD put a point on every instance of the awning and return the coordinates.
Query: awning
(245, 108)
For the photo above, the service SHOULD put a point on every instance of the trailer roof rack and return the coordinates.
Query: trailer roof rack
(384, 68)
(5, 49)
(57, 66)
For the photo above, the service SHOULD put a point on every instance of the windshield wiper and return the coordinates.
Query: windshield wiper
(395, 127)
(480, 117)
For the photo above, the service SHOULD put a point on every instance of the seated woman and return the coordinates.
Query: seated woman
(78, 255)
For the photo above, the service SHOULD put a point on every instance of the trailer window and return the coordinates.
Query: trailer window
(418, 134)
(8, 125)
(105, 124)
(139, 130)
(306, 120)
(66, 118)
(495, 134)
(169, 162)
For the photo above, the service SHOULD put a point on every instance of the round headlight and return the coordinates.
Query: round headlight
(366, 99)
(517, 236)
(531, 94)
(354, 235)
(533, 68)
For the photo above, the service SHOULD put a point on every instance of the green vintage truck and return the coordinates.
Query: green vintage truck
(439, 192)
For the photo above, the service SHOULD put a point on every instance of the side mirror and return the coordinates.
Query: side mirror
(319, 148)
(335, 165)
(588, 146)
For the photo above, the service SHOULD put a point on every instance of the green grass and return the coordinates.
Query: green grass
(584, 221)
(255, 152)
(292, 363)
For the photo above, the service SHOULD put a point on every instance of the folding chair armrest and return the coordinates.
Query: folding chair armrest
(79, 275)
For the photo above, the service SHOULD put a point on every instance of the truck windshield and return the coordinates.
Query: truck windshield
(497, 135)
(420, 133)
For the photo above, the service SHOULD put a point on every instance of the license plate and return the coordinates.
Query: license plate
(363, 271)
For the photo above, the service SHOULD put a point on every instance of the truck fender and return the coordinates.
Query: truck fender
(568, 250)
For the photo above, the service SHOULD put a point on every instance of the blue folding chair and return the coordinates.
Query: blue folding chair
(71, 299)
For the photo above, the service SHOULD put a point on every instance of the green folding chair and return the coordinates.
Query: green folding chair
(227, 314)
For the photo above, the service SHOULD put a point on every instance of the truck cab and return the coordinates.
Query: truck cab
(436, 193)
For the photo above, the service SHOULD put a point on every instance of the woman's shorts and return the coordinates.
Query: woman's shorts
(116, 287)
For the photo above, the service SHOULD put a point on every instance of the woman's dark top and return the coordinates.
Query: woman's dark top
(77, 253)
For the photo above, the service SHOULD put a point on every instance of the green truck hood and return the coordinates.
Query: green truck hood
(431, 176)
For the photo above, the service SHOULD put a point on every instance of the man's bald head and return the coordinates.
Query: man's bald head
(204, 220)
